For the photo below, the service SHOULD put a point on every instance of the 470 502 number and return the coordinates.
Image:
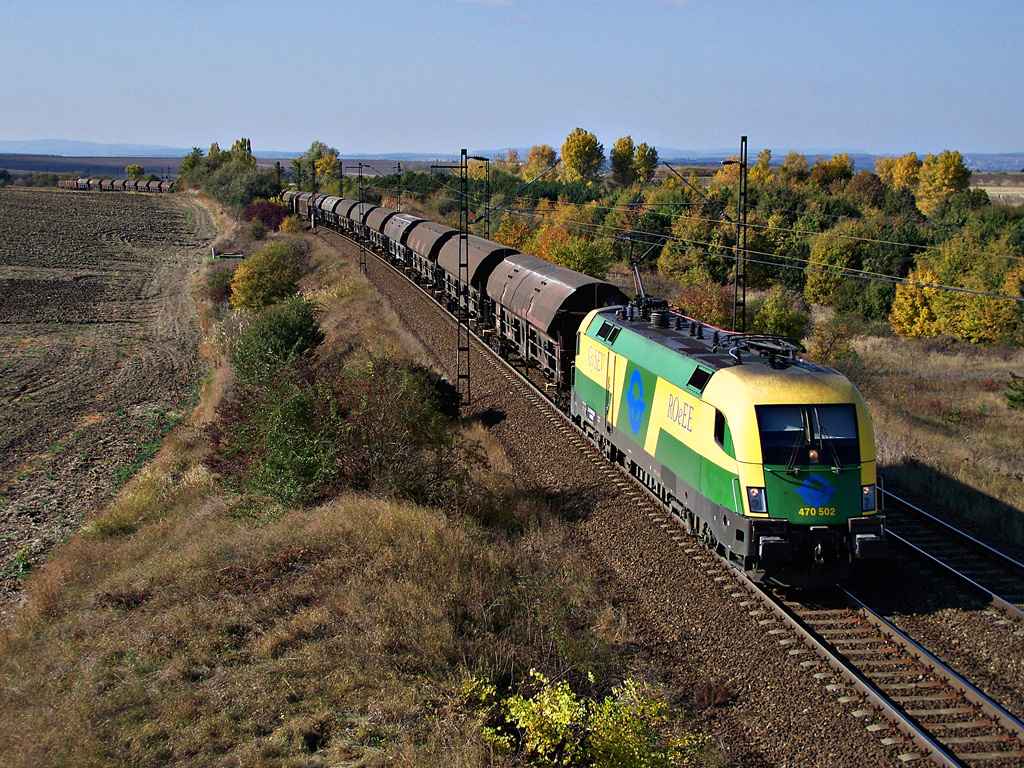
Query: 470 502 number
(817, 512)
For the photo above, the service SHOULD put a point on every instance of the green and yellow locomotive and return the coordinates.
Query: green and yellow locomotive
(768, 458)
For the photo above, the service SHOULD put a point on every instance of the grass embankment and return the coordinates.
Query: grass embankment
(944, 428)
(194, 624)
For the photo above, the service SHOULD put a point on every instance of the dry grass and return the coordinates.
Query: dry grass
(172, 632)
(183, 627)
(944, 430)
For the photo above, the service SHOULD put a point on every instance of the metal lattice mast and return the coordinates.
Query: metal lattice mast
(462, 310)
(739, 295)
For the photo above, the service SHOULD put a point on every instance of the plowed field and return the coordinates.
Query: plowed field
(98, 352)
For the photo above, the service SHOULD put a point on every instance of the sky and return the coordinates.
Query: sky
(433, 76)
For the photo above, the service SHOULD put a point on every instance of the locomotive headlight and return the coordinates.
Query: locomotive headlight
(756, 500)
(867, 498)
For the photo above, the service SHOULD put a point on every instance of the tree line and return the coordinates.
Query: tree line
(907, 246)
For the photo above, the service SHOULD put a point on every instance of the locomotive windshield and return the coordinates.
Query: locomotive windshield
(802, 435)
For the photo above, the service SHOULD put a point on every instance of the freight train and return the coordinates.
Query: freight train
(765, 457)
(115, 185)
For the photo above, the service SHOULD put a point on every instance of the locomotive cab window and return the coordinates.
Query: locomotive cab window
(722, 434)
(806, 435)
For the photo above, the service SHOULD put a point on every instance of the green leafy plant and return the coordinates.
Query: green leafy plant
(556, 727)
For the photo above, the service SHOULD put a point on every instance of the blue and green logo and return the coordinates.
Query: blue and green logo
(816, 491)
(635, 401)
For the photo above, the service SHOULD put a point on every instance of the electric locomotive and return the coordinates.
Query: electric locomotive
(764, 456)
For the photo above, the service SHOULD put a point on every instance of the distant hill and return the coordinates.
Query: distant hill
(92, 157)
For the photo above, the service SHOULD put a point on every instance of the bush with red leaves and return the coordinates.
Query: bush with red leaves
(271, 214)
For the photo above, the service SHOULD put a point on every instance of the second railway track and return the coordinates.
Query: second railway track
(915, 687)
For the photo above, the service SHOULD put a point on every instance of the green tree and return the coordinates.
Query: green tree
(191, 162)
(645, 161)
(832, 253)
(1015, 391)
(940, 176)
(241, 154)
(582, 156)
(265, 278)
(134, 171)
(591, 257)
(622, 162)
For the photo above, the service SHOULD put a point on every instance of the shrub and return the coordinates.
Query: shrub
(381, 426)
(710, 303)
(291, 225)
(782, 312)
(270, 214)
(556, 727)
(269, 275)
(280, 333)
(257, 229)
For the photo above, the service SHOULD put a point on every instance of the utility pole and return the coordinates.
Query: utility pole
(739, 269)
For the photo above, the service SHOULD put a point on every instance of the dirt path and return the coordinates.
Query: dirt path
(98, 352)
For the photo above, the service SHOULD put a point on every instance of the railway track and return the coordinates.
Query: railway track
(948, 719)
(998, 578)
(889, 679)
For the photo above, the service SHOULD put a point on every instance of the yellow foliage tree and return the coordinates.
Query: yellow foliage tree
(912, 313)
(540, 158)
(899, 172)
(621, 156)
(582, 156)
(326, 165)
(762, 173)
(645, 161)
(515, 232)
(940, 176)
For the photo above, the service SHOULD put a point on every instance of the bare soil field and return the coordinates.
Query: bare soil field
(99, 352)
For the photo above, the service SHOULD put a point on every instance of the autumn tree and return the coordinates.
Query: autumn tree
(582, 156)
(832, 253)
(762, 173)
(134, 171)
(912, 313)
(510, 163)
(515, 232)
(897, 172)
(645, 161)
(794, 168)
(622, 162)
(826, 172)
(940, 176)
(540, 158)
(241, 154)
